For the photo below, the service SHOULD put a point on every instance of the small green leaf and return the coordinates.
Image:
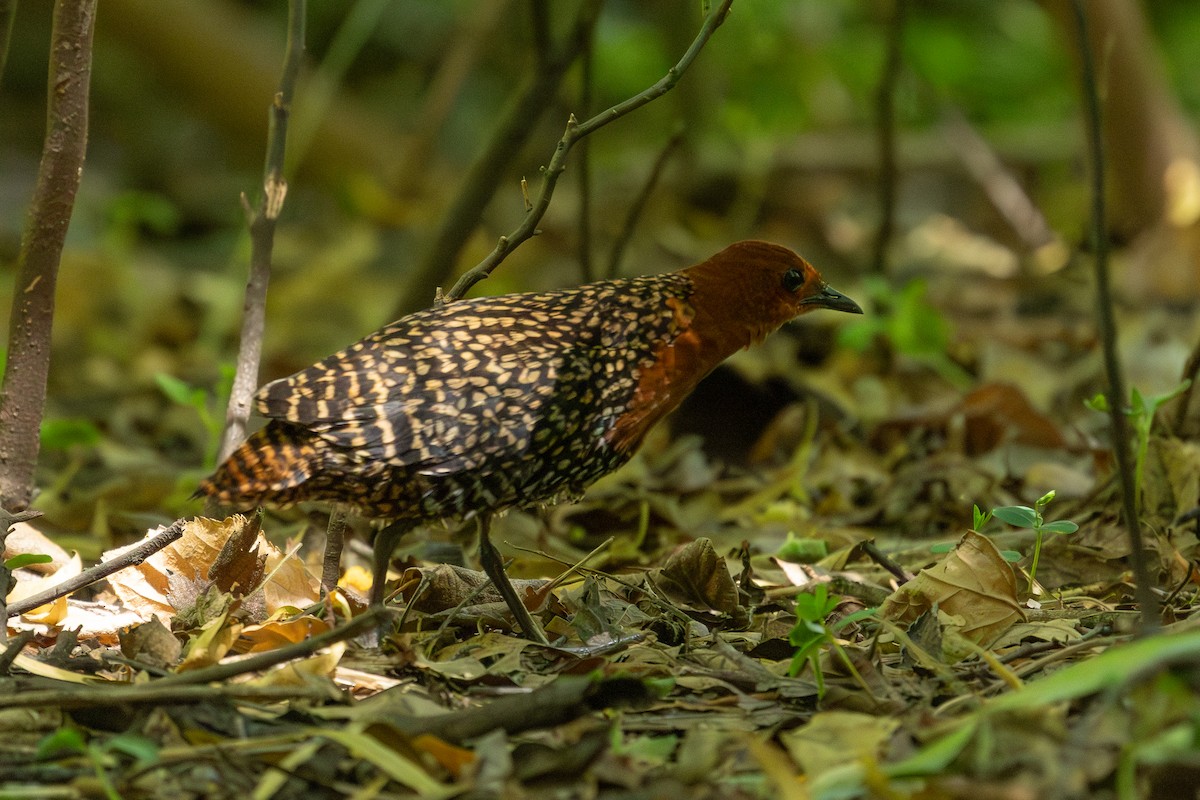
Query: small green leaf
(979, 518)
(61, 434)
(1044, 500)
(802, 551)
(62, 741)
(26, 559)
(1060, 526)
(1020, 516)
(816, 605)
(142, 750)
(1011, 556)
(1098, 403)
(1137, 404)
(177, 391)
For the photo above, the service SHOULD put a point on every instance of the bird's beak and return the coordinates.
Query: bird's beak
(831, 298)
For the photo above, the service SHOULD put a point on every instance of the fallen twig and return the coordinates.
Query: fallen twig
(102, 570)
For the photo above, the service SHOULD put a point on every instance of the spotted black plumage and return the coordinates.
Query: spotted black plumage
(485, 404)
(480, 404)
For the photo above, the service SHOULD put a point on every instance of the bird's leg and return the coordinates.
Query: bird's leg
(489, 558)
(335, 537)
(385, 544)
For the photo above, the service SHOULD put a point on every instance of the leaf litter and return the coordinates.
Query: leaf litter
(932, 671)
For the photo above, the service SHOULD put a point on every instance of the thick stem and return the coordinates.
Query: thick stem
(23, 392)
(262, 240)
(1108, 331)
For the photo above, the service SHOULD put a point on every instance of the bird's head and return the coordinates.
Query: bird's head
(752, 288)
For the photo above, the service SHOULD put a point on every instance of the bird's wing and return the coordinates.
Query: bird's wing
(446, 390)
(441, 390)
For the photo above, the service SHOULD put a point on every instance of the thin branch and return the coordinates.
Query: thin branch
(512, 131)
(1147, 601)
(576, 131)
(262, 239)
(639, 204)
(1191, 373)
(361, 624)
(885, 111)
(131, 557)
(23, 393)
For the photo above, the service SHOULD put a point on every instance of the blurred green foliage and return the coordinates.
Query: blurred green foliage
(779, 113)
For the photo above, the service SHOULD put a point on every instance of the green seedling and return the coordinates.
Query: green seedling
(910, 323)
(1032, 518)
(979, 520)
(811, 631)
(1141, 411)
(206, 404)
(27, 560)
(104, 756)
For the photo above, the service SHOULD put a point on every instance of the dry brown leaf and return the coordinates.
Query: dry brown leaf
(145, 587)
(274, 634)
(302, 671)
(972, 582)
(456, 760)
(213, 642)
(54, 612)
(151, 643)
(834, 738)
(446, 586)
(697, 576)
(24, 538)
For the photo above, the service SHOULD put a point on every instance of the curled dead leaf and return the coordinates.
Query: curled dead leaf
(973, 582)
(697, 576)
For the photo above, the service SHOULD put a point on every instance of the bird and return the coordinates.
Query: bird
(484, 404)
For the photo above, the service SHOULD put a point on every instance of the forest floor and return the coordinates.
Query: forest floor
(816, 604)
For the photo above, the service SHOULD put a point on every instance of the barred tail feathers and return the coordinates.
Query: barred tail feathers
(267, 469)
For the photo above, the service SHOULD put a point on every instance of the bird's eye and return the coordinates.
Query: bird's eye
(793, 279)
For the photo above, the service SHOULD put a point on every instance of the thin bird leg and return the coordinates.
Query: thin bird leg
(492, 564)
(335, 537)
(385, 544)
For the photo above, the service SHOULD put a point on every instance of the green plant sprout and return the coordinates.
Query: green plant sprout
(205, 402)
(27, 560)
(811, 631)
(913, 326)
(1141, 411)
(1026, 517)
(103, 756)
(980, 519)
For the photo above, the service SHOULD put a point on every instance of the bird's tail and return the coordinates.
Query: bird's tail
(267, 469)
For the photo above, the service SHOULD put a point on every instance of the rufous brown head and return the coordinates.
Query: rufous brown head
(751, 288)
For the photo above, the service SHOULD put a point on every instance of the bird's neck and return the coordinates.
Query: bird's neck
(708, 335)
(731, 312)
